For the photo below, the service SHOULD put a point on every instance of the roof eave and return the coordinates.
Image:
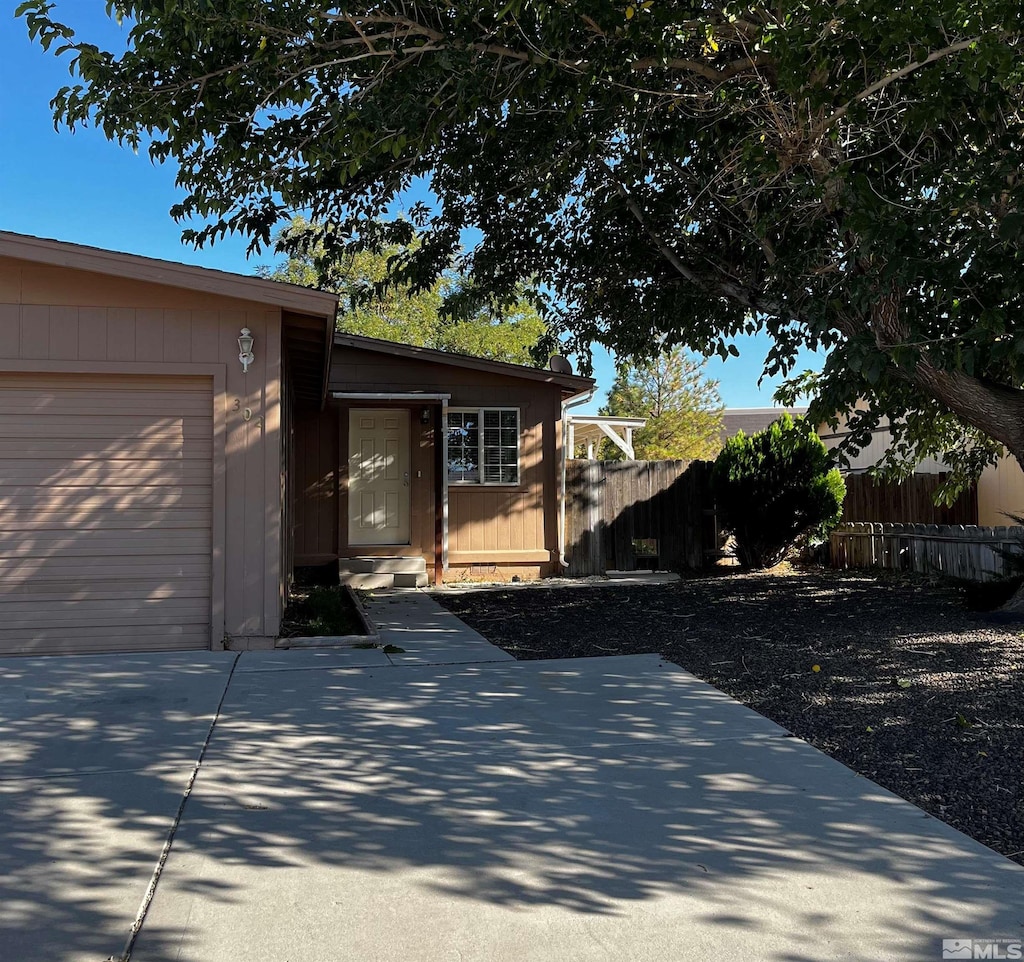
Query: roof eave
(38, 250)
(570, 383)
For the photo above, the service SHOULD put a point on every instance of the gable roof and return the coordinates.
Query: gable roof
(572, 383)
(39, 250)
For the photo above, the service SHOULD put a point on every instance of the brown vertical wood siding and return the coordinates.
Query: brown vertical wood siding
(61, 321)
(496, 526)
(316, 487)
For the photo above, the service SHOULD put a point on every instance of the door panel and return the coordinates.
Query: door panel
(378, 477)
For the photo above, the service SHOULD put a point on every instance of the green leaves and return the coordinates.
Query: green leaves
(448, 315)
(681, 404)
(41, 27)
(774, 487)
(670, 174)
(1011, 227)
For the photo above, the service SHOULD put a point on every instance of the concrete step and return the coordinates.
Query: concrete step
(388, 565)
(367, 580)
(386, 572)
(404, 566)
(355, 565)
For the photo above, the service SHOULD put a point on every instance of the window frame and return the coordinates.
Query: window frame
(481, 447)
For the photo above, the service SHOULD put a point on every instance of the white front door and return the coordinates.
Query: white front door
(378, 476)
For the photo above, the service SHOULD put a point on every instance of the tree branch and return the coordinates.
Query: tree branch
(705, 70)
(720, 286)
(994, 409)
(440, 41)
(892, 77)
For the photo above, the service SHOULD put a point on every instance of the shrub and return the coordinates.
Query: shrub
(776, 487)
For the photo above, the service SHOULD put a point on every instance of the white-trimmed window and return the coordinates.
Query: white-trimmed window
(483, 445)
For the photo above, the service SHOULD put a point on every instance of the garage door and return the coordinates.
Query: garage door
(105, 513)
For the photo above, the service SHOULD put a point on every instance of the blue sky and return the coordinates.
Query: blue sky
(81, 188)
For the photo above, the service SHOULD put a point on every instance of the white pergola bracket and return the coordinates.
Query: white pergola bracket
(588, 430)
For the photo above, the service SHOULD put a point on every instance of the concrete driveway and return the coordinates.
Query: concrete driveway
(352, 806)
(96, 753)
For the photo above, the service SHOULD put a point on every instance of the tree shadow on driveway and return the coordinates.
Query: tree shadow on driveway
(95, 755)
(910, 689)
(589, 809)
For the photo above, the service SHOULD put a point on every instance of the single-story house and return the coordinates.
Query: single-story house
(424, 454)
(175, 441)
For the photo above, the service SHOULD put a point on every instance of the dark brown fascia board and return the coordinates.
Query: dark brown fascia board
(311, 337)
(574, 383)
(56, 253)
(328, 351)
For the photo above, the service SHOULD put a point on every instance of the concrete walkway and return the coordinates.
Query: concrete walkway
(427, 633)
(357, 806)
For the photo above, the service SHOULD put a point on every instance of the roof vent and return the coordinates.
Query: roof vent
(559, 364)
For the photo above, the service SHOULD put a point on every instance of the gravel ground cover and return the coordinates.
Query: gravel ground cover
(888, 674)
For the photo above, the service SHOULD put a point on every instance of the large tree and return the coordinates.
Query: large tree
(449, 315)
(680, 402)
(842, 174)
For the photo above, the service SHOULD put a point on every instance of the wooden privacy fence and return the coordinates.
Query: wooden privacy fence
(912, 500)
(625, 515)
(960, 551)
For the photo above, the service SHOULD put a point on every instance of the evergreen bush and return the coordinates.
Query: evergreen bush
(774, 488)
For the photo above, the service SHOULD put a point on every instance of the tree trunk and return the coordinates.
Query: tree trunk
(994, 409)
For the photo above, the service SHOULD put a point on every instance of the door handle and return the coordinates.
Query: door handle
(405, 479)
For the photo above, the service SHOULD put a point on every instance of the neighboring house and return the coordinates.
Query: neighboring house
(1001, 493)
(871, 453)
(1000, 487)
(157, 490)
(752, 420)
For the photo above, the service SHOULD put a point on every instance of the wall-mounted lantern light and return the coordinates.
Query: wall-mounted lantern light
(425, 415)
(245, 355)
